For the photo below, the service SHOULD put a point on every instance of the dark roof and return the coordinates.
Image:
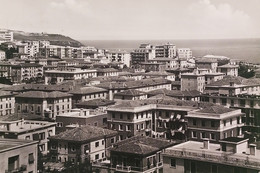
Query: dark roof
(87, 90)
(141, 145)
(105, 70)
(37, 87)
(96, 102)
(84, 133)
(28, 65)
(216, 109)
(130, 92)
(42, 94)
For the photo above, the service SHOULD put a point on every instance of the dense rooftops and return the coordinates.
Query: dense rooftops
(87, 90)
(131, 92)
(84, 134)
(175, 93)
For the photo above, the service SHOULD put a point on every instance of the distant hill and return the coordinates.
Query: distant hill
(55, 39)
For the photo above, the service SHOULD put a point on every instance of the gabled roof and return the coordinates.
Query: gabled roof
(141, 145)
(236, 80)
(5, 93)
(42, 94)
(216, 109)
(131, 92)
(84, 134)
(175, 93)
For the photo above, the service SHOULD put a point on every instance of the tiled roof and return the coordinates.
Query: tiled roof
(141, 145)
(206, 60)
(41, 94)
(96, 102)
(38, 87)
(236, 80)
(87, 90)
(28, 65)
(161, 99)
(84, 133)
(134, 84)
(131, 92)
(233, 139)
(216, 109)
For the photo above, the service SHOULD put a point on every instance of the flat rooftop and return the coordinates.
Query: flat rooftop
(9, 144)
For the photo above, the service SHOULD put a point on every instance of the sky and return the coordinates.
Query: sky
(134, 19)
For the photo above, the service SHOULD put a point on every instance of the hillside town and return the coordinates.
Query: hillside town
(153, 109)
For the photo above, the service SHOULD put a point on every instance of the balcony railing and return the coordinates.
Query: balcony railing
(123, 168)
(218, 157)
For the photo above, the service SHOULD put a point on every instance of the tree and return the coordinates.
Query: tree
(245, 71)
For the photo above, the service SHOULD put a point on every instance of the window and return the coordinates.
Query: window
(137, 127)
(238, 120)
(194, 134)
(73, 148)
(121, 116)
(173, 163)
(27, 137)
(103, 142)
(112, 140)
(224, 122)
(194, 122)
(113, 115)
(232, 102)
(212, 123)
(203, 124)
(225, 135)
(212, 136)
(30, 158)
(120, 127)
(142, 126)
(97, 144)
(142, 115)
(13, 162)
(128, 116)
(128, 127)
(203, 135)
(230, 121)
(53, 146)
(103, 155)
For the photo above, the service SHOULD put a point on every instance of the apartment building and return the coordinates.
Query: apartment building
(28, 130)
(18, 155)
(239, 93)
(29, 47)
(184, 53)
(81, 117)
(7, 103)
(2, 55)
(6, 69)
(169, 62)
(120, 57)
(81, 94)
(26, 71)
(214, 123)
(231, 155)
(165, 51)
(58, 76)
(206, 63)
(130, 94)
(107, 72)
(44, 104)
(228, 69)
(6, 35)
(192, 81)
(144, 53)
(86, 143)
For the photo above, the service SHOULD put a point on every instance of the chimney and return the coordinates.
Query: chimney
(252, 148)
(206, 143)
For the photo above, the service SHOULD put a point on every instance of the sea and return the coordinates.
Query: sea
(247, 50)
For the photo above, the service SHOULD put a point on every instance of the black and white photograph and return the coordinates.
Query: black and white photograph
(129, 86)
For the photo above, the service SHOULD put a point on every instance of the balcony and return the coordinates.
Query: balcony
(21, 169)
(122, 168)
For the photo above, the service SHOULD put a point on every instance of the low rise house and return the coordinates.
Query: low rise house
(81, 144)
(231, 155)
(28, 130)
(215, 123)
(137, 154)
(228, 69)
(18, 155)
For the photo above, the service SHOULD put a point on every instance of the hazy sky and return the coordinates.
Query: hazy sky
(134, 19)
